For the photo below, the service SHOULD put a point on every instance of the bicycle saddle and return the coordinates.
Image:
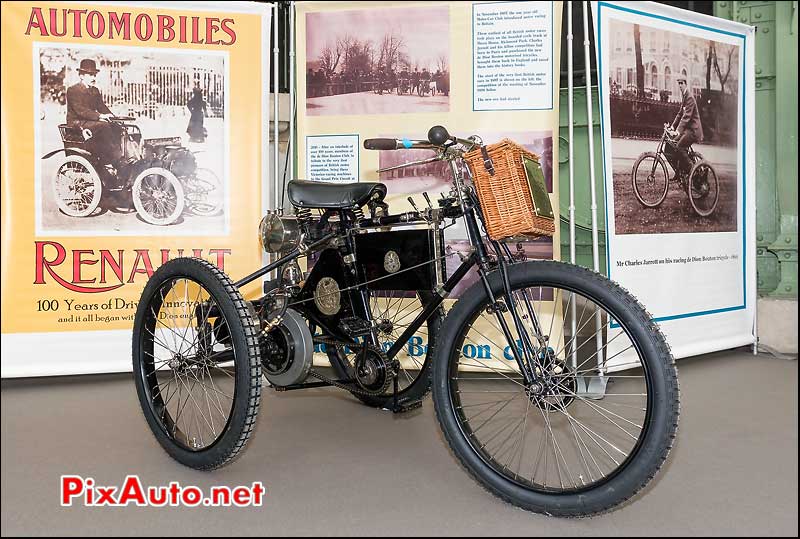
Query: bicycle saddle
(310, 194)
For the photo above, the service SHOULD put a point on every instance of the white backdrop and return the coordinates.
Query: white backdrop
(696, 275)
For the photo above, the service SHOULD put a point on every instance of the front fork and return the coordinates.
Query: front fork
(527, 360)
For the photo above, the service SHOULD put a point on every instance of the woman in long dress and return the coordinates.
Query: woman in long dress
(197, 108)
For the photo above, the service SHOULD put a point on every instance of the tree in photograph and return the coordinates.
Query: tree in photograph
(442, 63)
(345, 44)
(713, 60)
(729, 57)
(390, 48)
(637, 43)
(329, 59)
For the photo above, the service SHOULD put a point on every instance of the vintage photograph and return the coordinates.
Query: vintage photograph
(531, 249)
(435, 177)
(674, 106)
(130, 141)
(378, 61)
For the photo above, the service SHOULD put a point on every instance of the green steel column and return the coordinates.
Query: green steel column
(583, 216)
(785, 245)
(776, 139)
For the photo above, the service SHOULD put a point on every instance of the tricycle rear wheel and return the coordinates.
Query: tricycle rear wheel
(199, 393)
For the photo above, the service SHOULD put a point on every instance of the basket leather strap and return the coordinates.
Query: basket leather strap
(487, 161)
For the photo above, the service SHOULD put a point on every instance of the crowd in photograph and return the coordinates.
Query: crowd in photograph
(324, 83)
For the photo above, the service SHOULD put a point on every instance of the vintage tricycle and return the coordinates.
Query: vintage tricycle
(158, 177)
(551, 383)
(651, 180)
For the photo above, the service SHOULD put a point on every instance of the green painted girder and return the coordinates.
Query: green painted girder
(776, 139)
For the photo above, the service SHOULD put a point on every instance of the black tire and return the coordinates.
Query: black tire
(414, 383)
(650, 179)
(659, 377)
(219, 300)
(703, 188)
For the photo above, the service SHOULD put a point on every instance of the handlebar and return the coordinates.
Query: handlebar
(438, 138)
(396, 144)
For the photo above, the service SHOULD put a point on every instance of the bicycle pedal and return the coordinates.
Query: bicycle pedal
(403, 407)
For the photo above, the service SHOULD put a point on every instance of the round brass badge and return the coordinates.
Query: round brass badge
(391, 262)
(327, 296)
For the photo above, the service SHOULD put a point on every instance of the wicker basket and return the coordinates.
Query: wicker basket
(498, 171)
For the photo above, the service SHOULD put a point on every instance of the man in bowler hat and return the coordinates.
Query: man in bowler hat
(86, 109)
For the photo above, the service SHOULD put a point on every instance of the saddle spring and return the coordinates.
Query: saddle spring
(303, 215)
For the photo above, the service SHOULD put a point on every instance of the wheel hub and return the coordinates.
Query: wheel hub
(178, 363)
(555, 387)
(275, 352)
(385, 326)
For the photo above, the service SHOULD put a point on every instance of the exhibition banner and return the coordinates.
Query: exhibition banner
(677, 103)
(132, 134)
(396, 69)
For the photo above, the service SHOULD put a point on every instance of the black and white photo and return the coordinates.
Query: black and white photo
(674, 121)
(130, 141)
(378, 61)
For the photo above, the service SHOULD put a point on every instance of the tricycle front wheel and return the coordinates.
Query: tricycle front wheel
(591, 418)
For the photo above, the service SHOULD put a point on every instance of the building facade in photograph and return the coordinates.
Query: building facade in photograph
(665, 57)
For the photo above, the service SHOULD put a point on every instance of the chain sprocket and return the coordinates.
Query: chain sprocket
(391, 368)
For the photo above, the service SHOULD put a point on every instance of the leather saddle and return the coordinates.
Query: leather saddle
(311, 194)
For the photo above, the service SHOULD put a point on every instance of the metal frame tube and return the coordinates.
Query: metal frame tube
(570, 91)
(570, 99)
(290, 150)
(275, 107)
(590, 121)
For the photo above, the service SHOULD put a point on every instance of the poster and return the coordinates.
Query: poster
(139, 134)
(396, 69)
(680, 227)
(512, 54)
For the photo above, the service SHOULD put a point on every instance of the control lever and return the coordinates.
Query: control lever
(411, 201)
(427, 199)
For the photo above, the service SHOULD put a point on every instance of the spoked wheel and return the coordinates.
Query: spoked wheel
(158, 196)
(77, 187)
(598, 417)
(196, 363)
(703, 188)
(650, 179)
(393, 311)
(203, 192)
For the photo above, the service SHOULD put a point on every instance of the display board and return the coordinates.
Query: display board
(132, 134)
(682, 242)
(395, 69)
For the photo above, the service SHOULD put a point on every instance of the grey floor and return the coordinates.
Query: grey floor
(334, 467)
